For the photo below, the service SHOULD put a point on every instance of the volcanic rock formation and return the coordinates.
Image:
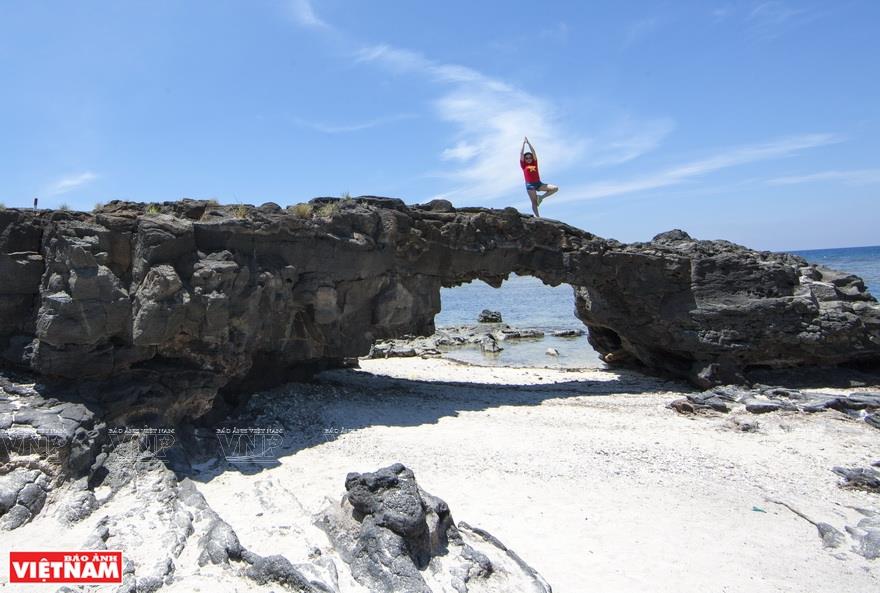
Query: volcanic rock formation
(153, 311)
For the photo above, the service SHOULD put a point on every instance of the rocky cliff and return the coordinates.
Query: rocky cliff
(151, 311)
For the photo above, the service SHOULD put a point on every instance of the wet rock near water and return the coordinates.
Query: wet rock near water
(489, 344)
(453, 337)
(487, 316)
(567, 333)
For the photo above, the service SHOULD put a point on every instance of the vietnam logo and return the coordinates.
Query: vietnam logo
(65, 567)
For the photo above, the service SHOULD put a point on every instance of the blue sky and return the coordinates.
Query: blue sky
(754, 121)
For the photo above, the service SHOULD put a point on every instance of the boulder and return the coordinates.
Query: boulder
(393, 535)
(487, 316)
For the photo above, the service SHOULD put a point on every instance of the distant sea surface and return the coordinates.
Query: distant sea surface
(525, 302)
(861, 261)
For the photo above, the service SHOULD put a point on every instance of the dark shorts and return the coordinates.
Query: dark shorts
(535, 186)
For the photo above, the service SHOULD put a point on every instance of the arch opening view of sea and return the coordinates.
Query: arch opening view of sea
(526, 303)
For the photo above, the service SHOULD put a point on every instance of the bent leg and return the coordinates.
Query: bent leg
(548, 190)
(533, 196)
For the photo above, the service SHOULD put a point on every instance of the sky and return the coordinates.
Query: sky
(753, 121)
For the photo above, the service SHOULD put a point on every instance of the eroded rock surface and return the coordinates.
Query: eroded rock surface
(763, 399)
(396, 537)
(152, 312)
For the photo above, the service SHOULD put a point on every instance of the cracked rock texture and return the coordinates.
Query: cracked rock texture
(394, 536)
(152, 314)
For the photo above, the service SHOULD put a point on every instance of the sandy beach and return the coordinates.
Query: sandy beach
(587, 475)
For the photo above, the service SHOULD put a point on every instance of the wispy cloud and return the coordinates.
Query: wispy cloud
(354, 127)
(70, 183)
(680, 174)
(304, 14)
(489, 117)
(852, 177)
(627, 140)
(771, 19)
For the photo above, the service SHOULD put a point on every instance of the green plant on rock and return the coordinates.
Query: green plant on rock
(240, 211)
(153, 209)
(328, 210)
(64, 206)
(2, 206)
(302, 210)
(98, 206)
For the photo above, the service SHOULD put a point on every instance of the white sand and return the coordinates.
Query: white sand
(609, 492)
(586, 475)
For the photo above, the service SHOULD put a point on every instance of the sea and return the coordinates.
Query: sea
(526, 303)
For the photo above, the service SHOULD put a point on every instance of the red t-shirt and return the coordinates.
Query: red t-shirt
(530, 171)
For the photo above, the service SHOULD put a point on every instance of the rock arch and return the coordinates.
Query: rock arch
(159, 310)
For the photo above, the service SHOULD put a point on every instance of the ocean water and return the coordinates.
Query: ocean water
(861, 261)
(525, 302)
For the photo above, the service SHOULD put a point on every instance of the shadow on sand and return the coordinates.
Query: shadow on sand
(296, 416)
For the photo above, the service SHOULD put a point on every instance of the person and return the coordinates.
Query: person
(528, 161)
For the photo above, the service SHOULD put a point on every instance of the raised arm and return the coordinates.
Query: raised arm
(522, 150)
(531, 149)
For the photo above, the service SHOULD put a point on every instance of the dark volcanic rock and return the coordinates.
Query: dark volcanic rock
(392, 534)
(151, 313)
(487, 316)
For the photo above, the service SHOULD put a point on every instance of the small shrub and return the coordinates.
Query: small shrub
(2, 206)
(328, 210)
(98, 206)
(212, 202)
(64, 206)
(302, 210)
(153, 209)
(345, 195)
(240, 211)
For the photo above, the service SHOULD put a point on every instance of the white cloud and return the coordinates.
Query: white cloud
(628, 140)
(682, 173)
(304, 14)
(398, 59)
(488, 118)
(853, 177)
(355, 127)
(460, 152)
(70, 183)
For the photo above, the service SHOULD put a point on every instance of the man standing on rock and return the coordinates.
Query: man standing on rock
(528, 161)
